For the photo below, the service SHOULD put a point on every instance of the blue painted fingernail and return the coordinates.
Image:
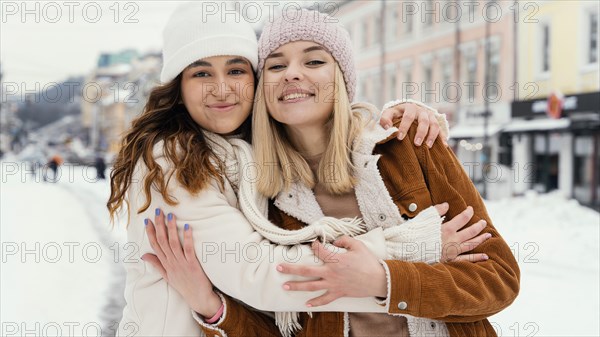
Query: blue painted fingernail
(186, 227)
(170, 216)
(157, 211)
(146, 222)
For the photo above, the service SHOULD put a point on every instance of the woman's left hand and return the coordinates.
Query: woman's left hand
(354, 273)
(178, 264)
(428, 126)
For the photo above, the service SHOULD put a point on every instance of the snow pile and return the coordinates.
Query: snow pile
(556, 242)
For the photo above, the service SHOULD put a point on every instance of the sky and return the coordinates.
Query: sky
(46, 42)
(44, 47)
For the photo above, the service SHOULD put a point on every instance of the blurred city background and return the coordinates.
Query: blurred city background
(518, 81)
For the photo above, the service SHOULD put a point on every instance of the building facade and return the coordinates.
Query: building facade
(117, 93)
(452, 55)
(554, 135)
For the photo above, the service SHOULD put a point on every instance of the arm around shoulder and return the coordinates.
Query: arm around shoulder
(482, 288)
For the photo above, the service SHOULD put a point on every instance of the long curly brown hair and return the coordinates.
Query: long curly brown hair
(166, 119)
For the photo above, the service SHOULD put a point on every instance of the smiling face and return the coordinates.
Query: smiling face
(299, 84)
(218, 92)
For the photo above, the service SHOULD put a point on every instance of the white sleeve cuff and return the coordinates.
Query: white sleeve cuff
(417, 240)
(213, 326)
(441, 118)
(386, 301)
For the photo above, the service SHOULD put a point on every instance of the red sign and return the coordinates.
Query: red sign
(555, 105)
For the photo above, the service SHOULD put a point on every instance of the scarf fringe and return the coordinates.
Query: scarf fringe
(287, 322)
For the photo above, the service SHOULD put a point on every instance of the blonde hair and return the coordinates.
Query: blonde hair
(281, 164)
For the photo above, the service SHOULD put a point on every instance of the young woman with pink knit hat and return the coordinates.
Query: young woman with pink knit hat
(343, 167)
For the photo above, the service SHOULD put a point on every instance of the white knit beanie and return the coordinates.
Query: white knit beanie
(193, 33)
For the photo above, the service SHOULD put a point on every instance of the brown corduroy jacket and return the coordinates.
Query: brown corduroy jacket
(461, 294)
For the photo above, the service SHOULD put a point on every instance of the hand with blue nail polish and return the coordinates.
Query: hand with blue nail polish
(179, 265)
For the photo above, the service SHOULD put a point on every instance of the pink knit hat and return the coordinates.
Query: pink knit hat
(309, 25)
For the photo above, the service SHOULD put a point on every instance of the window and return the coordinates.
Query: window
(428, 75)
(377, 93)
(408, 18)
(446, 78)
(585, 166)
(492, 88)
(471, 16)
(365, 34)
(545, 50)
(428, 79)
(593, 40)
(392, 85)
(376, 30)
(392, 24)
(429, 8)
(407, 82)
(505, 151)
(471, 69)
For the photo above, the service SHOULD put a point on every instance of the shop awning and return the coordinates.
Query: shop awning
(545, 124)
(468, 131)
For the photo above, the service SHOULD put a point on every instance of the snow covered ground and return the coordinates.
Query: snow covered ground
(61, 276)
(556, 242)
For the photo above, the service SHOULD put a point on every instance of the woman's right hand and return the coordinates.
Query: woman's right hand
(179, 266)
(455, 243)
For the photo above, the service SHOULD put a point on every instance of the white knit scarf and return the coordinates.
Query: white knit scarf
(236, 155)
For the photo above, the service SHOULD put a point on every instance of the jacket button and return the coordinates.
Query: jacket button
(432, 325)
(382, 217)
(402, 305)
(366, 164)
(412, 207)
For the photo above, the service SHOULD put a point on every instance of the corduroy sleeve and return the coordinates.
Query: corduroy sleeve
(455, 291)
(239, 321)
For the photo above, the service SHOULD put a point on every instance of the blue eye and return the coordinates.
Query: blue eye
(315, 63)
(276, 67)
(201, 74)
(237, 72)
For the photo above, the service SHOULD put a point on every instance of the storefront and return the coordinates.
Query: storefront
(554, 144)
(480, 154)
